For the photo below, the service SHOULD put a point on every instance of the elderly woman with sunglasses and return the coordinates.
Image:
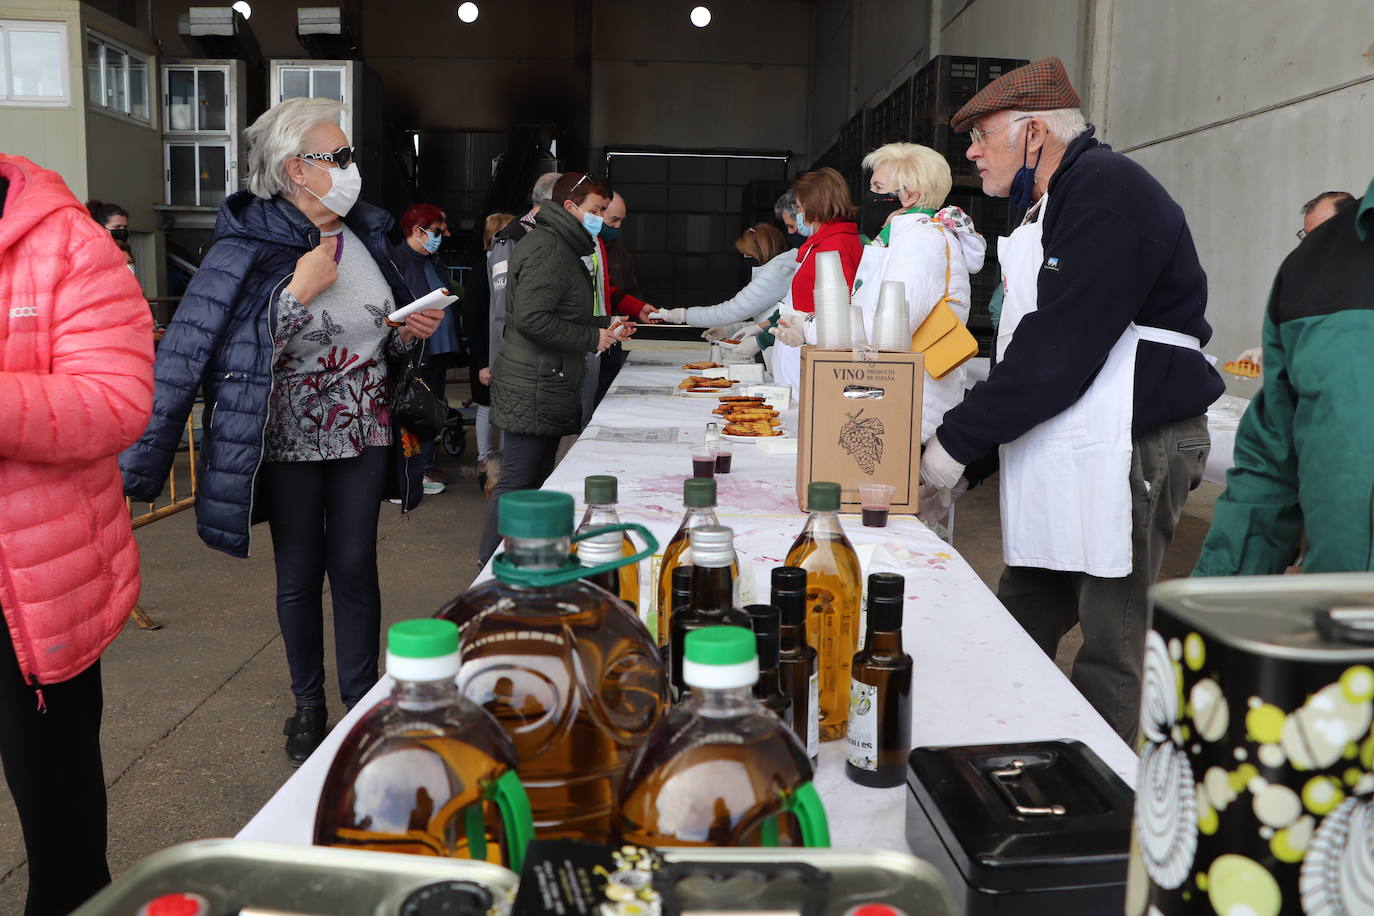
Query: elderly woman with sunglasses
(285, 327)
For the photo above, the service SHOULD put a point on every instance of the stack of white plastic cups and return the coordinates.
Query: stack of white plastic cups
(831, 297)
(891, 329)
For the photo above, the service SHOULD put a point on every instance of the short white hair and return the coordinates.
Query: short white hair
(278, 135)
(916, 169)
(1064, 124)
(543, 188)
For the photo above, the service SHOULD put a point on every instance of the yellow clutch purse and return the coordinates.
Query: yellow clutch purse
(942, 337)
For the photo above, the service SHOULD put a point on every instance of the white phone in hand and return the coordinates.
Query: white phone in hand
(438, 299)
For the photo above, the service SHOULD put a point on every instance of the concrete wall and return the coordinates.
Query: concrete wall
(55, 138)
(740, 83)
(1246, 117)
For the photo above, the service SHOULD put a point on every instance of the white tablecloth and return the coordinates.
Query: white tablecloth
(978, 678)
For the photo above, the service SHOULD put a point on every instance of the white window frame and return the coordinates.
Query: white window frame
(198, 131)
(343, 79)
(34, 101)
(197, 142)
(109, 44)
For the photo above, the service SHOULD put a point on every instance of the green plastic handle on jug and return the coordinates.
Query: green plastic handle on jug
(516, 816)
(805, 805)
(504, 570)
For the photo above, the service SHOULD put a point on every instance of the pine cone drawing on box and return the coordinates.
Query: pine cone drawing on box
(862, 440)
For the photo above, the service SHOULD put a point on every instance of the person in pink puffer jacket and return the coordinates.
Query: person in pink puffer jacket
(76, 388)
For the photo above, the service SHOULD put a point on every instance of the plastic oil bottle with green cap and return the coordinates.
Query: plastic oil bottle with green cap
(720, 769)
(574, 680)
(713, 594)
(601, 493)
(426, 771)
(834, 586)
(699, 503)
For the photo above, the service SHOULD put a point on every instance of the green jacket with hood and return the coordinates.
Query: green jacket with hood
(536, 379)
(1305, 448)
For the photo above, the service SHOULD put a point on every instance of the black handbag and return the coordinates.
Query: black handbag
(415, 406)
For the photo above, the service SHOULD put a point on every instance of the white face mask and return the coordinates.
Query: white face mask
(345, 187)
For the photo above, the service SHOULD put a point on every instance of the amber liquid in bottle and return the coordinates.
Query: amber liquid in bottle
(798, 670)
(708, 777)
(834, 584)
(879, 739)
(677, 554)
(574, 681)
(404, 783)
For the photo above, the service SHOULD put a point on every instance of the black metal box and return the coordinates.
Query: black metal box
(1034, 828)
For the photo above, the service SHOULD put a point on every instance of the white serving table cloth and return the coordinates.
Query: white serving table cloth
(978, 678)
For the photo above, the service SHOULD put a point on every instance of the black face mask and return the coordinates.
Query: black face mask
(120, 235)
(874, 211)
(795, 239)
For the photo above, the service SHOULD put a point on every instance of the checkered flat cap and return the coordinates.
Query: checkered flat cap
(1041, 86)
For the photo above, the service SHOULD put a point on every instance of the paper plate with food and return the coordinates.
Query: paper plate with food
(699, 366)
(696, 386)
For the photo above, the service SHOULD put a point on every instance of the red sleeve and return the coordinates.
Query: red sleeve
(622, 303)
(804, 283)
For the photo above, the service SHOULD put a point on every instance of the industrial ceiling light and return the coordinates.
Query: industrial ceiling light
(244, 9)
(701, 17)
(467, 12)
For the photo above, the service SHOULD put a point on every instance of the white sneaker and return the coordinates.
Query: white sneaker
(433, 487)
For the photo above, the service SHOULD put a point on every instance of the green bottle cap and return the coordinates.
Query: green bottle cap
(535, 514)
(823, 496)
(720, 646)
(424, 638)
(699, 493)
(600, 489)
(720, 658)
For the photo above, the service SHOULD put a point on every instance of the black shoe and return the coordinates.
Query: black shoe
(304, 731)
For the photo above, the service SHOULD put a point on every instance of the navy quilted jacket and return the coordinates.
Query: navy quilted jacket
(221, 335)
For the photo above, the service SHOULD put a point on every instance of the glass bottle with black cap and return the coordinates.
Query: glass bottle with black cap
(879, 736)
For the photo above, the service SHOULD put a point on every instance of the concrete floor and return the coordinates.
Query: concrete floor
(194, 710)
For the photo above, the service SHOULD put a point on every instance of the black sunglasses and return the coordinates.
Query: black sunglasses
(342, 157)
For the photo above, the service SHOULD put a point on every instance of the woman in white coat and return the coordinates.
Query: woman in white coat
(764, 245)
(920, 245)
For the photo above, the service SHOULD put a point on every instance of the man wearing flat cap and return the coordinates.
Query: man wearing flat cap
(1098, 394)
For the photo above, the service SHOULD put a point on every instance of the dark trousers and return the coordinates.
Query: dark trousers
(526, 462)
(1166, 465)
(53, 767)
(323, 516)
(611, 362)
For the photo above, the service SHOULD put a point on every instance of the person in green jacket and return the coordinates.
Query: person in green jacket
(1305, 448)
(552, 323)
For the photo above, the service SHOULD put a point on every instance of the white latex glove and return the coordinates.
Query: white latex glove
(748, 346)
(749, 330)
(934, 502)
(938, 469)
(789, 335)
(672, 316)
(1254, 355)
(716, 334)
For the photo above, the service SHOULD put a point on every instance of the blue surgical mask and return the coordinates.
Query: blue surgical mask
(805, 230)
(1024, 181)
(610, 233)
(433, 240)
(592, 222)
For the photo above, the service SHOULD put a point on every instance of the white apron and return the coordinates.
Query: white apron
(787, 360)
(1066, 491)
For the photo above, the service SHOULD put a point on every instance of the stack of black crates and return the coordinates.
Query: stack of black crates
(918, 111)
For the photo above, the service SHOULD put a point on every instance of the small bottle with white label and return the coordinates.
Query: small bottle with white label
(878, 739)
(798, 667)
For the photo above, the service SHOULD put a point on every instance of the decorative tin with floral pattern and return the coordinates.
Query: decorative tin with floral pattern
(1256, 787)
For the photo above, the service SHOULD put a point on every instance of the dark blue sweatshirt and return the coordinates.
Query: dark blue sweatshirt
(1117, 250)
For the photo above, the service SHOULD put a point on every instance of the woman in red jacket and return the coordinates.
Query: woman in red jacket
(76, 388)
(826, 217)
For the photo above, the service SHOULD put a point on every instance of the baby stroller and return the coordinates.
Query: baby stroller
(454, 436)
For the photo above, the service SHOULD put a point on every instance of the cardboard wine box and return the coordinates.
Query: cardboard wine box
(860, 422)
